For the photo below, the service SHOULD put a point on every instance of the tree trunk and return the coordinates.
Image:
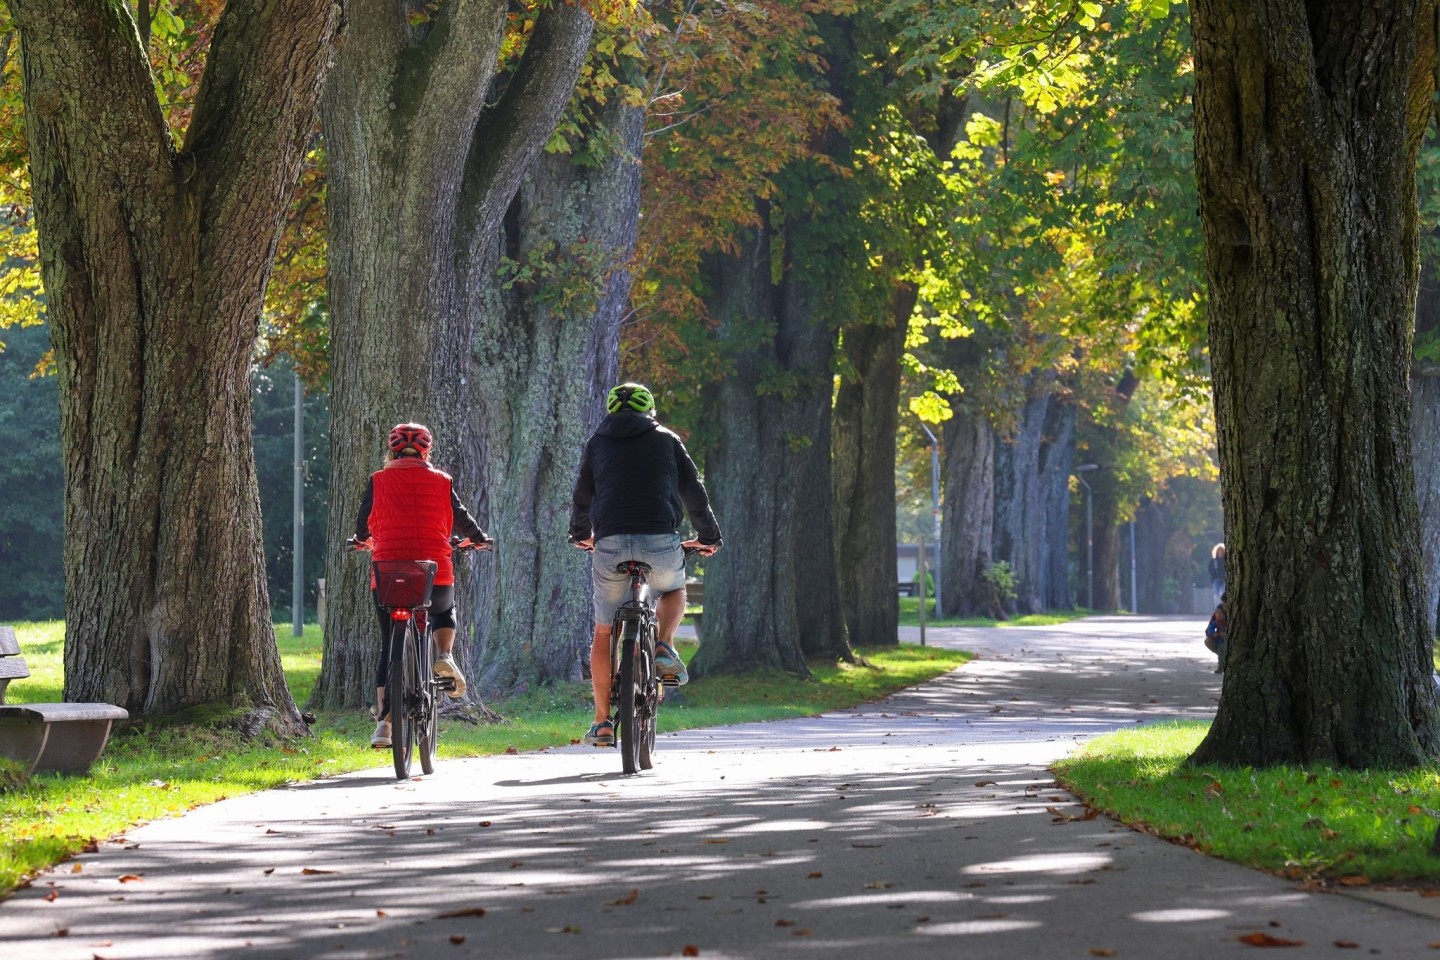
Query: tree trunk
(154, 262)
(542, 368)
(776, 574)
(1308, 121)
(1107, 544)
(1425, 437)
(1019, 501)
(421, 173)
(866, 422)
(968, 516)
(1056, 460)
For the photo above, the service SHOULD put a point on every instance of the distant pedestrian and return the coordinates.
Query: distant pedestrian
(1215, 634)
(1217, 572)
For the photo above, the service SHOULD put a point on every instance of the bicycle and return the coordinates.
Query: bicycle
(412, 691)
(635, 688)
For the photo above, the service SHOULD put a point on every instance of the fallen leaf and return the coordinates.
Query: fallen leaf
(516, 863)
(784, 923)
(62, 931)
(381, 913)
(802, 932)
(311, 871)
(484, 823)
(1265, 940)
(714, 840)
(1347, 944)
(466, 912)
(626, 900)
(1354, 880)
(986, 783)
(814, 875)
(1101, 952)
(77, 868)
(429, 831)
(130, 878)
(878, 885)
(52, 896)
(565, 929)
(270, 871)
(511, 749)
(690, 950)
(457, 938)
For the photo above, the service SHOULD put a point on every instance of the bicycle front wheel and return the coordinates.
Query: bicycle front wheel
(629, 712)
(402, 691)
(427, 730)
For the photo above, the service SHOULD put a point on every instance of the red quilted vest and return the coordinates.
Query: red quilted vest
(411, 517)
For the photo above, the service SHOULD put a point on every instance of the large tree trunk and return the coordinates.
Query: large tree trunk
(967, 521)
(1308, 121)
(866, 421)
(154, 261)
(1107, 543)
(421, 173)
(1425, 437)
(540, 375)
(1019, 498)
(764, 466)
(1056, 459)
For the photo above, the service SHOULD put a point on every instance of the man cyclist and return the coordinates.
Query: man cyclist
(408, 512)
(636, 483)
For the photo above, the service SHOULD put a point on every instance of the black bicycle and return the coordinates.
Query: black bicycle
(635, 687)
(412, 691)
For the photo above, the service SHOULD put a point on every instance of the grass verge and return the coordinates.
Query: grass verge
(1325, 826)
(910, 617)
(152, 770)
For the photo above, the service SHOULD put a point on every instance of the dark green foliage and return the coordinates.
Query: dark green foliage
(274, 419)
(32, 578)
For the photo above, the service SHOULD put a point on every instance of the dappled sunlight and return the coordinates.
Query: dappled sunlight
(977, 926)
(1056, 863)
(1179, 915)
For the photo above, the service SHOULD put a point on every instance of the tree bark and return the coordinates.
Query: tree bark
(154, 262)
(543, 364)
(1019, 501)
(422, 169)
(1308, 122)
(1425, 438)
(776, 575)
(866, 421)
(968, 516)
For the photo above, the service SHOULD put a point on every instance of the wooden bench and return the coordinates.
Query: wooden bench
(63, 737)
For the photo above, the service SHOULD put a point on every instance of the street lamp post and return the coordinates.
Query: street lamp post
(935, 509)
(1089, 535)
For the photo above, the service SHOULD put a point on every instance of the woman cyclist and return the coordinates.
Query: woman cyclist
(408, 511)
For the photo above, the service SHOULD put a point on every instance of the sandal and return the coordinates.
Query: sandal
(601, 734)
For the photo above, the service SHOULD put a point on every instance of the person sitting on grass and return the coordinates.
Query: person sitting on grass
(1215, 632)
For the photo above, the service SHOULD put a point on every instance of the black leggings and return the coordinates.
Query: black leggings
(441, 615)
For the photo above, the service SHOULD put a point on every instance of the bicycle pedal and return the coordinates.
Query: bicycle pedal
(670, 680)
(445, 683)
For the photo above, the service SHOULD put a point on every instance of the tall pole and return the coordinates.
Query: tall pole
(297, 581)
(935, 510)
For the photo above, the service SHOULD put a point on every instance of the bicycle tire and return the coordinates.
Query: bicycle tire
(401, 691)
(426, 727)
(629, 721)
(650, 699)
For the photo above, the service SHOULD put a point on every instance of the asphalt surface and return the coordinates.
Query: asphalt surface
(925, 825)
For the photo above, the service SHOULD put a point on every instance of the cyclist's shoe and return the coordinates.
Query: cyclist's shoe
(669, 665)
(381, 737)
(446, 667)
(601, 734)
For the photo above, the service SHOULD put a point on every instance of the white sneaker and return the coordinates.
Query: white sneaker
(381, 736)
(446, 667)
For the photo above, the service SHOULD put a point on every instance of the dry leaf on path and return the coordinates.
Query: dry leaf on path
(311, 871)
(690, 950)
(626, 900)
(1265, 940)
(130, 878)
(1101, 952)
(1347, 944)
(986, 783)
(467, 912)
(457, 938)
(52, 896)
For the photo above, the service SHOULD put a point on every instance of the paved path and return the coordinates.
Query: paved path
(915, 827)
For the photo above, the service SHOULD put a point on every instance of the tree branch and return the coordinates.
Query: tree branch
(510, 135)
(256, 108)
(88, 86)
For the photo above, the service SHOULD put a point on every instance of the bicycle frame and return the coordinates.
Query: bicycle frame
(634, 688)
(411, 690)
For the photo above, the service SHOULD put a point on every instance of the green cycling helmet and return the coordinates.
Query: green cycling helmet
(629, 396)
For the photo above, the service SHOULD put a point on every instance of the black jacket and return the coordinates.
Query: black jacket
(637, 477)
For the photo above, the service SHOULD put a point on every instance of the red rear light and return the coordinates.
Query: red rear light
(401, 614)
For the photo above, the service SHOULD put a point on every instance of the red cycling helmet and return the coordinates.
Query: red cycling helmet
(411, 436)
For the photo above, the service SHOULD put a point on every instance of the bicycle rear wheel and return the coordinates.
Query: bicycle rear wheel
(401, 691)
(427, 730)
(629, 716)
(650, 686)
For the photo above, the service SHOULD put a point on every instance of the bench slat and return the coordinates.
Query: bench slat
(9, 646)
(13, 668)
(56, 712)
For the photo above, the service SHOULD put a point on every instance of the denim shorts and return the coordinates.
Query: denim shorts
(612, 588)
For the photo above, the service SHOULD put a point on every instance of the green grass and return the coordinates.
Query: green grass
(1318, 824)
(910, 617)
(152, 770)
